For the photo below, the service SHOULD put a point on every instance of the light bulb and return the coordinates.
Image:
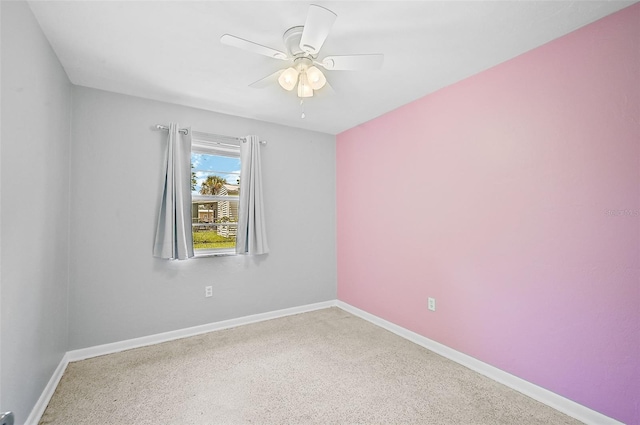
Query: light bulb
(288, 79)
(304, 89)
(316, 78)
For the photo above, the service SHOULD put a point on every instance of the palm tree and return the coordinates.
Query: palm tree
(212, 185)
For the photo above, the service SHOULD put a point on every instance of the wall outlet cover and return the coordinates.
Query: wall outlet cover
(432, 304)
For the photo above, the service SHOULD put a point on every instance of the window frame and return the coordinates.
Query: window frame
(215, 148)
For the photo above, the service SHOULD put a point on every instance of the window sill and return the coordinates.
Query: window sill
(214, 253)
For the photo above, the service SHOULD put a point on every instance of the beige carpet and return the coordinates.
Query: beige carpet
(323, 367)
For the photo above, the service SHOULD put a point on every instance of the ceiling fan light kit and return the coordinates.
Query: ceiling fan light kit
(304, 89)
(307, 78)
(317, 80)
(303, 44)
(288, 79)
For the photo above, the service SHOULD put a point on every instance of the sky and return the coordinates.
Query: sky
(205, 165)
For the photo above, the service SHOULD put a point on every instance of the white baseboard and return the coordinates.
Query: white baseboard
(101, 350)
(562, 404)
(47, 393)
(551, 399)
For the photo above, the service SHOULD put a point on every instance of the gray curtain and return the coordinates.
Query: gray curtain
(174, 239)
(251, 238)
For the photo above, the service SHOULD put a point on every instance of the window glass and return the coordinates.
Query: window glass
(215, 184)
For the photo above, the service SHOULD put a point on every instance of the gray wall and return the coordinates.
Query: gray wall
(77, 268)
(36, 103)
(118, 291)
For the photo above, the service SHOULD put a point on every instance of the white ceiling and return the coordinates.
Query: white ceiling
(170, 50)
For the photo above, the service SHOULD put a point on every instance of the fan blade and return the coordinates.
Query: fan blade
(316, 28)
(352, 62)
(241, 43)
(267, 81)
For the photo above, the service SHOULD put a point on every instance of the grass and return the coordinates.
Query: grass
(209, 239)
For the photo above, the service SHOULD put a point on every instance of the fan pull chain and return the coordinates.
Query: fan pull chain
(302, 106)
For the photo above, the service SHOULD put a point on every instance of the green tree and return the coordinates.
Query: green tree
(193, 179)
(212, 185)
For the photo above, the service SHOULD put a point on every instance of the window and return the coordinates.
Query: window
(215, 187)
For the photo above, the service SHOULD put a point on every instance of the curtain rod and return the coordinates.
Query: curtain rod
(165, 128)
(186, 131)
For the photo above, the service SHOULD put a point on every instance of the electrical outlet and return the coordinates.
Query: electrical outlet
(432, 304)
(208, 291)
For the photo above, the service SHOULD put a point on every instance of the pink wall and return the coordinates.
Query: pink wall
(513, 198)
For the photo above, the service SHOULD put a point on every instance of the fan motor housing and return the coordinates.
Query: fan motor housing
(291, 40)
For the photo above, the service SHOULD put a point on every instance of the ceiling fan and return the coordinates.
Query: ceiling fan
(303, 44)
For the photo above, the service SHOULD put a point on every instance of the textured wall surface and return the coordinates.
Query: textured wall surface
(119, 291)
(513, 198)
(36, 113)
